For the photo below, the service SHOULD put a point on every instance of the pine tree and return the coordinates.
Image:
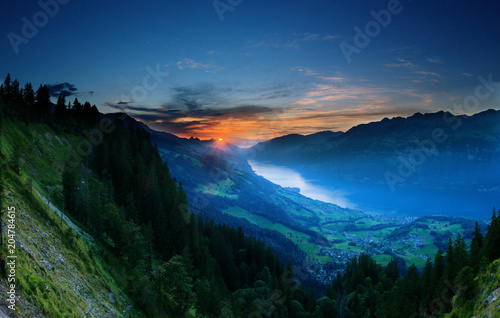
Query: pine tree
(492, 240)
(60, 108)
(426, 284)
(77, 108)
(7, 86)
(43, 102)
(29, 102)
(460, 251)
(476, 248)
(438, 271)
(392, 271)
(450, 269)
(14, 90)
(174, 286)
(28, 95)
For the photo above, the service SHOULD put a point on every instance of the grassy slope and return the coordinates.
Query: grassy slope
(487, 296)
(58, 273)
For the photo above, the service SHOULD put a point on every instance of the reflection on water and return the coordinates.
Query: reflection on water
(287, 177)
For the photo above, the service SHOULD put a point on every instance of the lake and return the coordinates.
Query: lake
(378, 199)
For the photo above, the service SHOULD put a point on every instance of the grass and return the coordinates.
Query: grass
(299, 238)
(223, 188)
(383, 259)
(58, 273)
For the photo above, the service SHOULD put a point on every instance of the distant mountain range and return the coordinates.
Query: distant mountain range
(221, 184)
(424, 150)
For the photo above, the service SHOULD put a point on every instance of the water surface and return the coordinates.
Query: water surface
(379, 199)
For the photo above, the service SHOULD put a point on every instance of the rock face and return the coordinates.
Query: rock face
(492, 297)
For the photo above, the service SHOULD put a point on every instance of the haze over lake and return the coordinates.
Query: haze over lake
(378, 199)
(287, 177)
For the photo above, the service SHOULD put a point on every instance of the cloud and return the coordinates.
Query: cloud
(191, 64)
(398, 49)
(331, 37)
(306, 71)
(310, 72)
(336, 79)
(66, 89)
(204, 122)
(403, 64)
(292, 41)
(426, 73)
(196, 96)
(434, 60)
(412, 69)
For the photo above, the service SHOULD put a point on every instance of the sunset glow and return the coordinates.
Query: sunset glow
(250, 81)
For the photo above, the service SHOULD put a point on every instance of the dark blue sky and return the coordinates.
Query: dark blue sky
(266, 68)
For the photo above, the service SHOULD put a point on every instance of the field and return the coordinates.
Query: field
(413, 240)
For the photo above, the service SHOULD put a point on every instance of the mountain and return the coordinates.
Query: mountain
(289, 145)
(119, 220)
(429, 154)
(437, 145)
(100, 224)
(318, 237)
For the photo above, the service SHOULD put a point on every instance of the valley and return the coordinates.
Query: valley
(327, 234)
(321, 240)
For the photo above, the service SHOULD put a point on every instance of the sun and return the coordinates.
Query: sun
(221, 139)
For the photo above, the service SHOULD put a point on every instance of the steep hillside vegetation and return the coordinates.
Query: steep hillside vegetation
(58, 273)
(483, 298)
(111, 181)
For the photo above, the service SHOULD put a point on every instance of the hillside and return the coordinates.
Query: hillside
(142, 251)
(485, 298)
(59, 272)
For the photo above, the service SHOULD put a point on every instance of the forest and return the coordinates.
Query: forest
(187, 264)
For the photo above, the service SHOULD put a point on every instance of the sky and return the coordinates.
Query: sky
(248, 71)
